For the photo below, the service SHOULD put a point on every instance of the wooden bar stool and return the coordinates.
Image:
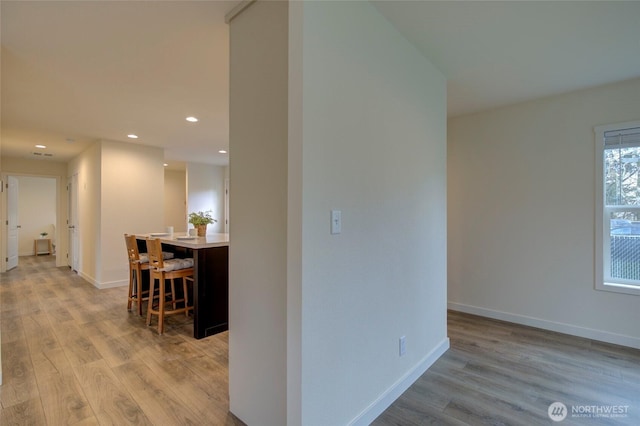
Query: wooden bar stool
(138, 262)
(162, 270)
(136, 266)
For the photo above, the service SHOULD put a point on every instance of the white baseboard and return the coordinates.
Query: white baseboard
(383, 402)
(112, 284)
(574, 330)
(89, 279)
(96, 284)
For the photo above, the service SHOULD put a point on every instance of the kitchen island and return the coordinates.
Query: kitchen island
(211, 277)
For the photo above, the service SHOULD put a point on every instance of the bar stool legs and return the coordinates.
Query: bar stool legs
(161, 309)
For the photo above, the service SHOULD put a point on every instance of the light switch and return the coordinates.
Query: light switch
(336, 221)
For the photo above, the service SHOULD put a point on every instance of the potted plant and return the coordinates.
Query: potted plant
(43, 234)
(200, 220)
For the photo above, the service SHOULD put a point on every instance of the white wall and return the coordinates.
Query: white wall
(37, 201)
(175, 200)
(258, 213)
(205, 191)
(521, 214)
(87, 166)
(367, 135)
(374, 147)
(132, 202)
(116, 196)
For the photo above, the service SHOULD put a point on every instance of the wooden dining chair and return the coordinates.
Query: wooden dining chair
(136, 266)
(162, 270)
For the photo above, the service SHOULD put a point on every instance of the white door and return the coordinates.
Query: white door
(12, 222)
(72, 222)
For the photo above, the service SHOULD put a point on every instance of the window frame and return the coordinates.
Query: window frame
(602, 232)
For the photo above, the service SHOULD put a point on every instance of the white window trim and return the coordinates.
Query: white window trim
(600, 237)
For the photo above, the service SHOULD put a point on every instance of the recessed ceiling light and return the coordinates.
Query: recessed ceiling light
(165, 164)
(41, 146)
(192, 119)
(222, 151)
(132, 136)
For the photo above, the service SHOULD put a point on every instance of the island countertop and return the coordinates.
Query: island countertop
(181, 239)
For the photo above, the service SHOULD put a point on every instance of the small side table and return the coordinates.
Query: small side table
(42, 246)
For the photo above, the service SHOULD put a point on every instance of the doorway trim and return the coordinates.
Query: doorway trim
(61, 218)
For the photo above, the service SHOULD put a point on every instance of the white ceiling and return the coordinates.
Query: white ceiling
(74, 72)
(496, 53)
(103, 69)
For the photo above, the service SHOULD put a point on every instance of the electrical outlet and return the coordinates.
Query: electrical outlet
(402, 345)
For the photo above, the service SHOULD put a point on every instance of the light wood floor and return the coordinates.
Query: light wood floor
(72, 354)
(499, 373)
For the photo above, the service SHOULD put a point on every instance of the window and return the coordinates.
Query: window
(618, 208)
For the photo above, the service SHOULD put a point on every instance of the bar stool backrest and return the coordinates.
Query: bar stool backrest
(154, 251)
(132, 248)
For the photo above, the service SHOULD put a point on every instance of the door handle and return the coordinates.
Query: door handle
(18, 226)
(72, 227)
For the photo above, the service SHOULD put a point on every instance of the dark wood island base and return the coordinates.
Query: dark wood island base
(210, 291)
(211, 277)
